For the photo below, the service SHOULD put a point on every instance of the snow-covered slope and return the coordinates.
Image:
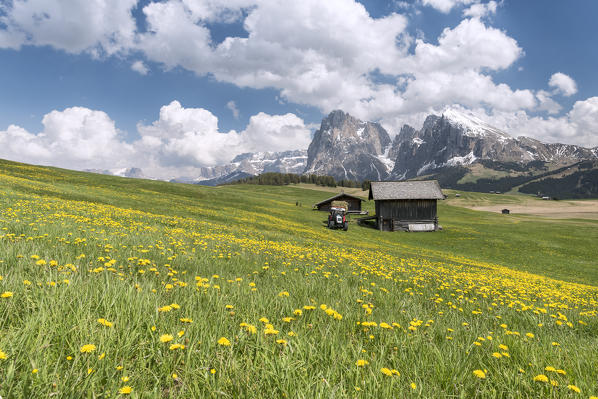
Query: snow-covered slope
(473, 126)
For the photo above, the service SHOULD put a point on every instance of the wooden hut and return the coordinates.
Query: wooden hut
(352, 201)
(406, 205)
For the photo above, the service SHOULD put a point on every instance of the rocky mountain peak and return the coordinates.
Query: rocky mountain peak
(460, 138)
(348, 148)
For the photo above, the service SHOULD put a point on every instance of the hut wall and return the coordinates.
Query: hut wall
(354, 204)
(392, 213)
(411, 210)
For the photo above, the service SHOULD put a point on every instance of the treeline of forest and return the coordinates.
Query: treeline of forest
(578, 185)
(281, 179)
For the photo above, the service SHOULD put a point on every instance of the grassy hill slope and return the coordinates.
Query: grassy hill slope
(111, 285)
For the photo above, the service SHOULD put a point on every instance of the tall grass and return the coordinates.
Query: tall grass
(308, 312)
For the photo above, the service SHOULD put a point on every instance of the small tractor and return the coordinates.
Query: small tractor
(337, 219)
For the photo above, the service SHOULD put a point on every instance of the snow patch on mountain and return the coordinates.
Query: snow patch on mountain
(466, 160)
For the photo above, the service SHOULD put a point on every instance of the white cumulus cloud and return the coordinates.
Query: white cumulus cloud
(181, 141)
(71, 25)
(446, 6)
(139, 67)
(77, 138)
(563, 84)
(481, 10)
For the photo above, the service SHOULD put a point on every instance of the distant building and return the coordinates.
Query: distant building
(406, 205)
(353, 202)
(505, 211)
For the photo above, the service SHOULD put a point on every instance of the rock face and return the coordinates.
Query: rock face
(347, 148)
(456, 138)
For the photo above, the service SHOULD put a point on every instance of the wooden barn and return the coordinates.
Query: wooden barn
(406, 205)
(352, 201)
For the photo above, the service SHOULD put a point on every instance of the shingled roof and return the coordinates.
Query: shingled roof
(391, 190)
(338, 196)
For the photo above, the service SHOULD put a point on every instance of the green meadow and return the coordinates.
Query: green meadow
(114, 287)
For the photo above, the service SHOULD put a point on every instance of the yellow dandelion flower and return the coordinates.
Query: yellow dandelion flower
(124, 379)
(6, 294)
(530, 335)
(223, 342)
(3, 356)
(297, 312)
(88, 348)
(105, 322)
(479, 373)
(361, 363)
(176, 346)
(186, 320)
(270, 331)
(574, 388)
(126, 390)
(503, 347)
(386, 371)
(281, 341)
(549, 368)
(166, 338)
(496, 355)
(541, 378)
(413, 386)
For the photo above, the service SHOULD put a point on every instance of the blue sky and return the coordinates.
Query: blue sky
(526, 66)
